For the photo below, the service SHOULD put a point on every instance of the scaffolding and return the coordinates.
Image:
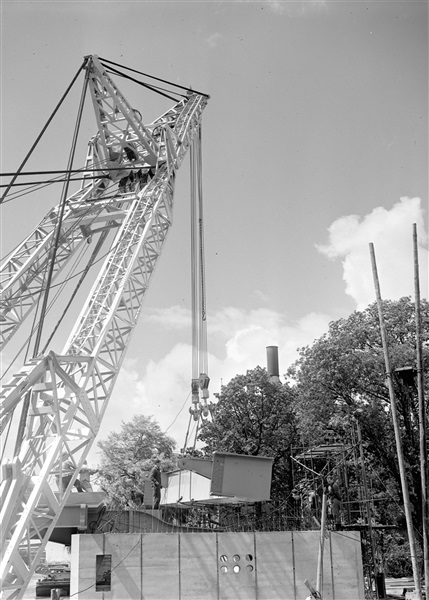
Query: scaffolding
(333, 460)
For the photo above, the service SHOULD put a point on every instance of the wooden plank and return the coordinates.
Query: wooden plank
(160, 566)
(274, 563)
(198, 566)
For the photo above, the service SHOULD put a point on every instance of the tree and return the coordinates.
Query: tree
(342, 376)
(254, 416)
(127, 455)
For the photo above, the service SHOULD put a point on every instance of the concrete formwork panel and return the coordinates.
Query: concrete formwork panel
(305, 551)
(275, 565)
(347, 569)
(218, 566)
(236, 554)
(160, 566)
(198, 566)
(85, 549)
(126, 574)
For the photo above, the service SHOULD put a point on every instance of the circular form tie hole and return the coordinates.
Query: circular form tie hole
(236, 569)
(224, 558)
(224, 569)
(249, 568)
(236, 557)
(249, 557)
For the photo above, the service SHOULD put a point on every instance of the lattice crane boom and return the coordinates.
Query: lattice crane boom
(68, 393)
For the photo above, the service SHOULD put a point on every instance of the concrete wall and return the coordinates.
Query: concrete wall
(217, 566)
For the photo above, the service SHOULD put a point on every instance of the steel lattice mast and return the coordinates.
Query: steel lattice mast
(68, 393)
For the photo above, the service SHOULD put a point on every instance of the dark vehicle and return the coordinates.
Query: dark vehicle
(57, 577)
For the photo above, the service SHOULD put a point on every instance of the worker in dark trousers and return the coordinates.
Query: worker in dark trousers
(155, 479)
(334, 498)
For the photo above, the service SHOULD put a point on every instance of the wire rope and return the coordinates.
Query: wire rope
(85, 271)
(111, 570)
(113, 71)
(177, 416)
(32, 189)
(56, 180)
(61, 214)
(61, 171)
(27, 396)
(197, 427)
(60, 285)
(44, 128)
(203, 315)
(152, 77)
(40, 185)
(81, 217)
(68, 278)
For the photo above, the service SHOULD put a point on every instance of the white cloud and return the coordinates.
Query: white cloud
(163, 388)
(214, 39)
(260, 296)
(296, 7)
(238, 338)
(175, 317)
(391, 233)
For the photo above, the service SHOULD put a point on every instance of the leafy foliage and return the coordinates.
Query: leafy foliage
(127, 455)
(254, 416)
(342, 377)
(397, 557)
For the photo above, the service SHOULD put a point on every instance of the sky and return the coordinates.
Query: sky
(315, 144)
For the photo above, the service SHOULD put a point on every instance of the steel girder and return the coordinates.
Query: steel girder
(68, 393)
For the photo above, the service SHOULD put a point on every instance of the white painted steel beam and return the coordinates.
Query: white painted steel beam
(68, 393)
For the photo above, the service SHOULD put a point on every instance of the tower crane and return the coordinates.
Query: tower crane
(127, 187)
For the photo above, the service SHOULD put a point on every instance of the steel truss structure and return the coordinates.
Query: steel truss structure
(67, 394)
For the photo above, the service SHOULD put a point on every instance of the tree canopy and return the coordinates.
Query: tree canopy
(337, 382)
(128, 454)
(342, 377)
(254, 416)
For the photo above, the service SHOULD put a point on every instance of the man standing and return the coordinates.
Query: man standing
(334, 496)
(68, 469)
(155, 479)
(85, 477)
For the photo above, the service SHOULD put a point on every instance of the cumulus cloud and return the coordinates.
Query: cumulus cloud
(295, 8)
(238, 337)
(214, 39)
(175, 317)
(162, 389)
(391, 233)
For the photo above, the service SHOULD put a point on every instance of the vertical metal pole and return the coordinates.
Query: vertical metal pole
(367, 504)
(422, 416)
(319, 577)
(404, 485)
(346, 485)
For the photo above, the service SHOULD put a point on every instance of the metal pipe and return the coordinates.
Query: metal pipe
(422, 417)
(402, 471)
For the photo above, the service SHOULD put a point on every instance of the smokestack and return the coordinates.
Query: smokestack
(273, 363)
